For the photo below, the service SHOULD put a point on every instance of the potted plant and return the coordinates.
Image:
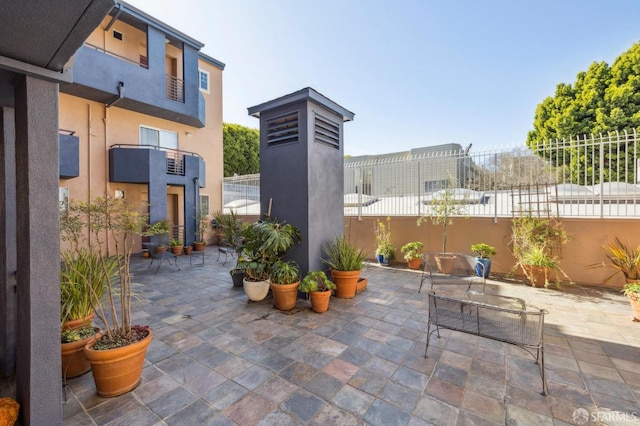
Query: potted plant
(285, 279)
(319, 288)
(232, 228)
(626, 260)
(632, 291)
(483, 262)
(84, 275)
(72, 343)
(534, 242)
(177, 246)
(202, 227)
(346, 262)
(266, 241)
(385, 252)
(118, 357)
(413, 254)
(445, 204)
(162, 228)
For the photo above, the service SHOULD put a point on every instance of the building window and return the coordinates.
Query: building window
(204, 204)
(63, 199)
(204, 80)
(158, 137)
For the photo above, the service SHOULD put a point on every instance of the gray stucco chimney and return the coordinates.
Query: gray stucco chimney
(302, 168)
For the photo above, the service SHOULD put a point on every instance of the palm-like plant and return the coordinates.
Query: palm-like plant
(265, 243)
(623, 259)
(341, 255)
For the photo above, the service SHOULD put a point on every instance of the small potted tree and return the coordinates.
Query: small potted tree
(385, 252)
(413, 254)
(319, 288)
(203, 224)
(118, 357)
(483, 262)
(346, 262)
(445, 204)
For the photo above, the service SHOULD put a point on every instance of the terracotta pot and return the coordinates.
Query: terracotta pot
(79, 323)
(74, 362)
(117, 371)
(160, 249)
(634, 299)
(446, 264)
(346, 283)
(362, 284)
(320, 300)
(414, 263)
(198, 246)
(187, 250)
(536, 275)
(255, 290)
(285, 295)
(177, 250)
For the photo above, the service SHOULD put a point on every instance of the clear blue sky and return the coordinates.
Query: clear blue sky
(415, 72)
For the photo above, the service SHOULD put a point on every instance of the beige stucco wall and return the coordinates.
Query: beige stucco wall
(588, 236)
(98, 128)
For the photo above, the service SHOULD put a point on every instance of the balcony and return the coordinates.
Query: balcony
(100, 75)
(151, 164)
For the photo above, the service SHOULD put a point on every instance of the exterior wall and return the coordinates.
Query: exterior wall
(584, 248)
(98, 128)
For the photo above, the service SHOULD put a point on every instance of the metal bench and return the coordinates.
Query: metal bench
(501, 318)
(161, 256)
(464, 267)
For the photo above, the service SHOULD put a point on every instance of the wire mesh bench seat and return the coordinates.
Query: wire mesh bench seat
(464, 268)
(501, 318)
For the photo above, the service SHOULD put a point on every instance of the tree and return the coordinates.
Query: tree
(241, 149)
(603, 99)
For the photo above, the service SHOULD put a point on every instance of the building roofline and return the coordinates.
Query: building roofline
(307, 93)
(210, 60)
(150, 20)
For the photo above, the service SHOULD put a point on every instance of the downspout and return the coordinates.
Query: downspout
(196, 190)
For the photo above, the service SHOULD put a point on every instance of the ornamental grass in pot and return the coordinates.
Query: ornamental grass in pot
(113, 227)
(346, 262)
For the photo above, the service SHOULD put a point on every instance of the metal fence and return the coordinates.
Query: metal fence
(588, 176)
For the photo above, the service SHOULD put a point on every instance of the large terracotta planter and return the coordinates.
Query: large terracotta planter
(346, 283)
(285, 295)
(74, 362)
(320, 300)
(634, 299)
(536, 275)
(117, 371)
(255, 290)
(79, 323)
(198, 246)
(414, 263)
(446, 264)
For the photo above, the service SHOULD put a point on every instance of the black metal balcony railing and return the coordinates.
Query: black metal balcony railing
(175, 157)
(100, 49)
(175, 88)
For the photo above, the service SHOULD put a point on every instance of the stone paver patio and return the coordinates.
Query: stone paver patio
(217, 359)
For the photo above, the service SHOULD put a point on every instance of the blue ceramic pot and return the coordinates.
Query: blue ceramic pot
(483, 264)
